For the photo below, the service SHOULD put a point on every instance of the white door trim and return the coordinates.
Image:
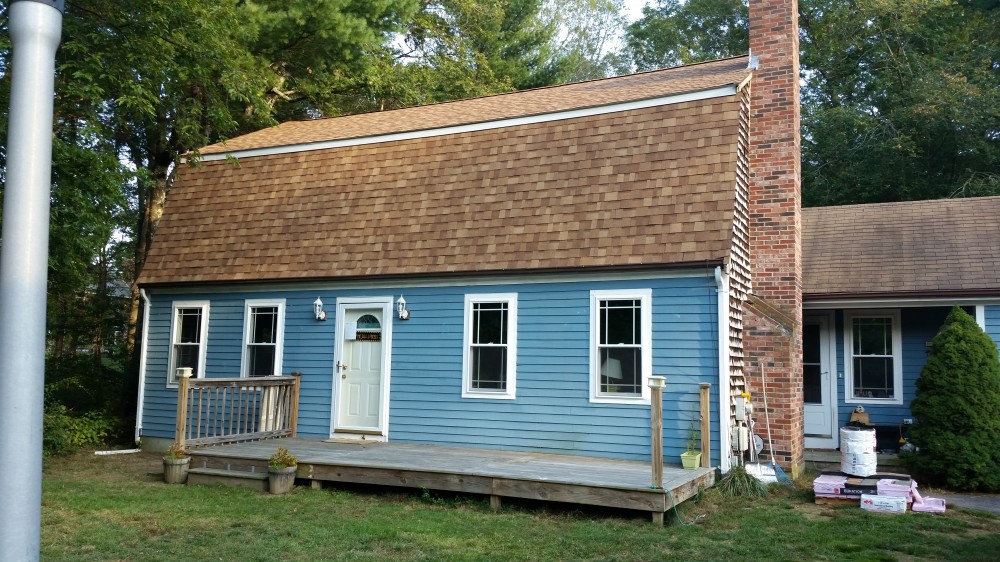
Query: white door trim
(344, 304)
(828, 340)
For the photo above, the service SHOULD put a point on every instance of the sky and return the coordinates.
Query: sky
(634, 9)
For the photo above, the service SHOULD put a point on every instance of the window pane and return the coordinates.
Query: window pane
(260, 360)
(264, 327)
(189, 325)
(873, 377)
(810, 343)
(489, 322)
(620, 322)
(621, 371)
(186, 355)
(812, 389)
(489, 368)
(873, 336)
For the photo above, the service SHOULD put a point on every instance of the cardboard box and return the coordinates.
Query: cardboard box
(883, 504)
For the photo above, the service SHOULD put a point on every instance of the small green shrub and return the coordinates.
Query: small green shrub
(957, 409)
(282, 459)
(56, 435)
(739, 483)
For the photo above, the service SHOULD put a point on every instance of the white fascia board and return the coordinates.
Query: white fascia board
(435, 282)
(472, 127)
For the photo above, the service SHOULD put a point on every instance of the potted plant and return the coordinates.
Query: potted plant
(691, 458)
(175, 464)
(281, 467)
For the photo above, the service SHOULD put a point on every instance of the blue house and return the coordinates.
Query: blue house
(503, 272)
(878, 282)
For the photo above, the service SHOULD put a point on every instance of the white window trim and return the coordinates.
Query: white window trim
(249, 305)
(897, 355)
(202, 338)
(645, 296)
(511, 392)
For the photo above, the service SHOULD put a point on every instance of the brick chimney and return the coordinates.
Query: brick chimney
(773, 317)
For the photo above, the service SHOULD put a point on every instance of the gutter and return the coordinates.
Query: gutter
(722, 289)
(142, 363)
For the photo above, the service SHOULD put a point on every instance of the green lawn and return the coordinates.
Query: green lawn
(117, 508)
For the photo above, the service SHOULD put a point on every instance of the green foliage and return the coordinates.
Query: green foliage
(957, 409)
(739, 483)
(281, 458)
(62, 432)
(672, 32)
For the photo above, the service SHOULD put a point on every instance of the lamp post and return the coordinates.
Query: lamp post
(35, 28)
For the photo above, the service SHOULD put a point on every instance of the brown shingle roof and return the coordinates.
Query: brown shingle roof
(944, 247)
(635, 188)
(633, 87)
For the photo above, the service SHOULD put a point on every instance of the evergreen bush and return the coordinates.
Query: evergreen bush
(957, 409)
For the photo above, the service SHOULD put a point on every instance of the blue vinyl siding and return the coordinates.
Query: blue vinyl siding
(992, 316)
(552, 411)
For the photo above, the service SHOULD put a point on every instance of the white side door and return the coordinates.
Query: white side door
(361, 371)
(819, 391)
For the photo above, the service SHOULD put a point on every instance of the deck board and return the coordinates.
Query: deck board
(563, 478)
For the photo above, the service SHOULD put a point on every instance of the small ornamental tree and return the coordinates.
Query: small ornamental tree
(957, 409)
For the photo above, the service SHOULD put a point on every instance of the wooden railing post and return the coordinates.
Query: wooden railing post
(293, 418)
(656, 385)
(180, 429)
(706, 426)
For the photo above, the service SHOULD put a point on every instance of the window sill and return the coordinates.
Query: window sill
(629, 400)
(488, 395)
(875, 401)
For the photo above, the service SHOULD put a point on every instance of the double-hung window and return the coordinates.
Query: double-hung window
(489, 356)
(873, 357)
(263, 335)
(189, 332)
(621, 352)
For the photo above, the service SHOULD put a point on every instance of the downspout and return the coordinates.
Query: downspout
(722, 289)
(981, 316)
(142, 363)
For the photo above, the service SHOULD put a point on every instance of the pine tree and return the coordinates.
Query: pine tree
(957, 409)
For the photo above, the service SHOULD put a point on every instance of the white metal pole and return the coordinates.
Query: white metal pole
(35, 27)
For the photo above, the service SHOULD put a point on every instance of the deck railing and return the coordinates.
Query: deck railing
(212, 411)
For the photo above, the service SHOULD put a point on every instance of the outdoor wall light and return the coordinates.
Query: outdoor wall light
(401, 310)
(318, 310)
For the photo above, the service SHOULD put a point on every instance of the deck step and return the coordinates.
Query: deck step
(232, 478)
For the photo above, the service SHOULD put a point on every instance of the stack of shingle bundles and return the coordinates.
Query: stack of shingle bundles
(829, 485)
(896, 488)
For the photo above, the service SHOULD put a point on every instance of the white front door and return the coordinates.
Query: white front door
(361, 372)
(819, 385)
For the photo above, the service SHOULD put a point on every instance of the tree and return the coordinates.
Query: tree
(897, 97)
(672, 32)
(586, 34)
(898, 102)
(957, 408)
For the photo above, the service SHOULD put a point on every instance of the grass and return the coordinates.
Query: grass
(118, 508)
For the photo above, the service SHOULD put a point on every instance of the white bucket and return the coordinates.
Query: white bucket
(857, 451)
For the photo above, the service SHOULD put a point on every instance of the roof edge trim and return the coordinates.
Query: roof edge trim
(699, 95)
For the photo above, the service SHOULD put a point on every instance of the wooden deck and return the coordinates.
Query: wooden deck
(498, 474)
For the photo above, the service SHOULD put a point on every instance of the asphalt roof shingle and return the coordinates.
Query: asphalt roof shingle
(947, 246)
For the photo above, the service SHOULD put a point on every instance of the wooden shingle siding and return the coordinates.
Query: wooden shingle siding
(739, 257)
(552, 411)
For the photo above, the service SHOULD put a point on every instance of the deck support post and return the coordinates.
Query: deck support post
(293, 418)
(706, 426)
(180, 429)
(495, 502)
(657, 518)
(656, 385)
